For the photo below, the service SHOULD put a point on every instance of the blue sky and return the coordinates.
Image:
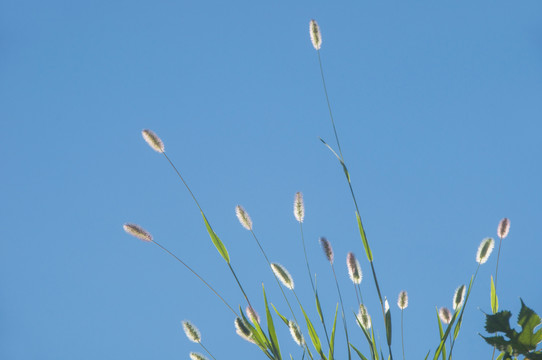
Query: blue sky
(437, 107)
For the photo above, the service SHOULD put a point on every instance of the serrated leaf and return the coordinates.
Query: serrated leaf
(528, 320)
(216, 240)
(497, 341)
(499, 322)
(494, 299)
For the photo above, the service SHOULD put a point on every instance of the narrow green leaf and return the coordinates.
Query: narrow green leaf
(364, 239)
(494, 299)
(218, 244)
(318, 307)
(340, 160)
(312, 334)
(500, 356)
(358, 352)
(441, 335)
(426, 356)
(388, 326)
(332, 340)
(257, 333)
(271, 329)
(280, 315)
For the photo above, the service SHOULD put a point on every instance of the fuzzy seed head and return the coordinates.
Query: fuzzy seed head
(459, 297)
(296, 333)
(192, 332)
(328, 250)
(283, 275)
(445, 315)
(197, 356)
(138, 232)
(242, 329)
(402, 301)
(354, 269)
(299, 207)
(316, 36)
(504, 228)
(153, 140)
(364, 318)
(243, 217)
(252, 315)
(484, 250)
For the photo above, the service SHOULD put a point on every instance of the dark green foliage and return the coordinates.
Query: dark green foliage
(514, 343)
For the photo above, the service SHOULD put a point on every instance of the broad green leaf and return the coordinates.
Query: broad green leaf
(312, 334)
(271, 329)
(494, 299)
(218, 244)
(364, 239)
(529, 320)
(332, 341)
(358, 352)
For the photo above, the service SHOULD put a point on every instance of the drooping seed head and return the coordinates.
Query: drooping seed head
(243, 217)
(459, 297)
(242, 329)
(484, 250)
(283, 275)
(445, 315)
(299, 207)
(138, 232)
(252, 315)
(192, 332)
(153, 140)
(364, 318)
(328, 250)
(316, 36)
(296, 333)
(402, 301)
(503, 228)
(197, 356)
(354, 269)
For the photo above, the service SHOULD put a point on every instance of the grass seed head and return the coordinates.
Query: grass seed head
(364, 317)
(242, 329)
(243, 217)
(316, 36)
(252, 315)
(192, 332)
(445, 315)
(354, 269)
(328, 250)
(503, 228)
(197, 356)
(299, 207)
(138, 232)
(153, 140)
(283, 275)
(402, 301)
(459, 297)
(296, 333)
(484, 250)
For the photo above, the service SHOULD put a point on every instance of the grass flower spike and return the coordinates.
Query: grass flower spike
(445, 315)
(316, 36)
(197, 356)
(328, 250)
(243, 330)
(402, 301)
(138, 232)
(283, 275)
(459, 297)
(153, 140)
(252, 315)
(192, 332)
(299, 207)
(296, 333)
(354, 269)
(504, 228)
(364, 317)
(484, 250)
(243, 217)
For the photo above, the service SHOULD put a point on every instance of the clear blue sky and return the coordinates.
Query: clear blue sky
(438, 107)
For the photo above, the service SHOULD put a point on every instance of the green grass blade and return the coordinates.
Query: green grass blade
(388, 327)
(271, 329)
(426, 356)
(441, 335)
(358, 352)
(218, 244)
(494, 299)
(500, 356)
(332, 340)
(338, 158)
(318, 307)
(443, 339)
(313, 335)
(364, 239)
(257, 331)
(280, 315)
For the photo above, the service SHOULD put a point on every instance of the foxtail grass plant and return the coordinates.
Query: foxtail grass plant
(261, 331)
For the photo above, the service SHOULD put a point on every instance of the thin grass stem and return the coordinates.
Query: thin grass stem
(204, 348)
(342, 312)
